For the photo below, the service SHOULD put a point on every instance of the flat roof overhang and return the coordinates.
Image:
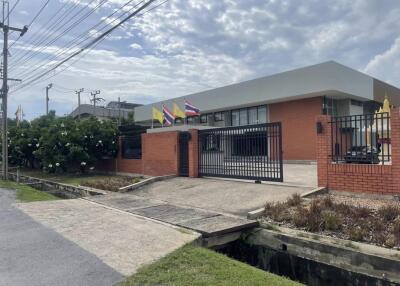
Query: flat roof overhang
(326, 79)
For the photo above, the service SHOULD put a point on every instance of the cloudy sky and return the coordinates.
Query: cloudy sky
(186, 46)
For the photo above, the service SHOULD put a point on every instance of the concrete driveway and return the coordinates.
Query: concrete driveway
(77, 242)
(226, 196)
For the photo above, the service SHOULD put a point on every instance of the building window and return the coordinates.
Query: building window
(356, 102)
(262, 114)
(253, 115)
(235, 118)
(243, 117)
(218, 116)
(203, 118)
(193, 119)
(131, 147)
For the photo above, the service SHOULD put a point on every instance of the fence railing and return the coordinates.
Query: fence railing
(363, 139)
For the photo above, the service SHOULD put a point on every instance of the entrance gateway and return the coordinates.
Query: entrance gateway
(252, 152)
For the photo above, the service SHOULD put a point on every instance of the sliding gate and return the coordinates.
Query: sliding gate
(251, 152)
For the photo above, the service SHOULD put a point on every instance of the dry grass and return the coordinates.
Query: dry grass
(323, 215)
(110, 184)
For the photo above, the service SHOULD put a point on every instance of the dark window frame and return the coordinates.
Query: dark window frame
(131, 147)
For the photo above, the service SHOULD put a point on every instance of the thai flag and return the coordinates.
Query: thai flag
(190, 109)
(168, 116)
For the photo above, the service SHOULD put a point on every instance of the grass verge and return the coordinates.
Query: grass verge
(26, 193)
(197, 266)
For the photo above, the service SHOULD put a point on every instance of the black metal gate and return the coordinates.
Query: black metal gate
(184, 154)
(251, 152)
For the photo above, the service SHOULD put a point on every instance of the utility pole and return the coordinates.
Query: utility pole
(47, 97)
(78, 92)
(95, 99)
(119, 110)
(4, 91)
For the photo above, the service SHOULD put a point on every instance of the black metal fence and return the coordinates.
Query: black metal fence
(245, 152)
(363, 139)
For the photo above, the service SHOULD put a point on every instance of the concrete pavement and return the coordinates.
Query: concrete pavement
(76, 242)
(225, 196)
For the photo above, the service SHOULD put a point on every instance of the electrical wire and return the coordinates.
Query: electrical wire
(79, 40)
(49, 33)
(88, 46)
(12, 9)
(32, 21)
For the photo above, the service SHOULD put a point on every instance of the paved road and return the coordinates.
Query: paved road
(75, 242)
(32, 254)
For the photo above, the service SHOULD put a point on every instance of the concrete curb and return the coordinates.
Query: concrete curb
(48, 186)
(145, 182)
(374, 261)
(316, 191)
(255, 214)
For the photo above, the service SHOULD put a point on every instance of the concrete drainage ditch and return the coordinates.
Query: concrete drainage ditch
(64, 191)
(316, 261)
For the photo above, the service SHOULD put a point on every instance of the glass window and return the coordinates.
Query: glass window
(203, 118)
(193, 119)
(131, 147)
(253, 115)
(262, 114)
(235, 117)
(218, 116)
(243, 116)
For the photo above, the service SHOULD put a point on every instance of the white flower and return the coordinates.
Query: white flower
(37, 145)
(50, 166)
(62, 124)
(85, 136)
(57, 164)
(100, 141)
(29, 144)
(91, 168)
(113, 142)
(83, 163)
(67, 144)
(22, 134)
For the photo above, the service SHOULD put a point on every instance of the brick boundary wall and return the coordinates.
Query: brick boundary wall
(160, 153)
(194, 153)
(377, 179)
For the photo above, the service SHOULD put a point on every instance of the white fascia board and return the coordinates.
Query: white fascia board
(320, 79)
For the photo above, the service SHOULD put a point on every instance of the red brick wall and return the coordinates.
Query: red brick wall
(298, 126)
(194, 153)
(160, 154)
(377, 179)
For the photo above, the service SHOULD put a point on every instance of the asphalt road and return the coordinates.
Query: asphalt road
(31, 254)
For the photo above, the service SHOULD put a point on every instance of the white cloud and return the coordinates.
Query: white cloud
(186, 46)
(387, 64)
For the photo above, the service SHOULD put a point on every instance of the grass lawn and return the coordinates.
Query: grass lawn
(26, 193)
(192, 265)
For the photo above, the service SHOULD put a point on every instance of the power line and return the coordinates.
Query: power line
(88, 45)
(78, 40)
(12, 9)
(48, 33)
(33, 20)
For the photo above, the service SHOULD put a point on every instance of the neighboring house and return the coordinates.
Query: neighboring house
(113, 109)
(294, 98)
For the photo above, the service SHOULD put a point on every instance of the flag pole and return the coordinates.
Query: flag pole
(152, 117)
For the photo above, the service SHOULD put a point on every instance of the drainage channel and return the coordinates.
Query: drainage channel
(311, 262)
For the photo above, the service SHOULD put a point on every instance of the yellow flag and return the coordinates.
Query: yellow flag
(157, 115)
(178, 113)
